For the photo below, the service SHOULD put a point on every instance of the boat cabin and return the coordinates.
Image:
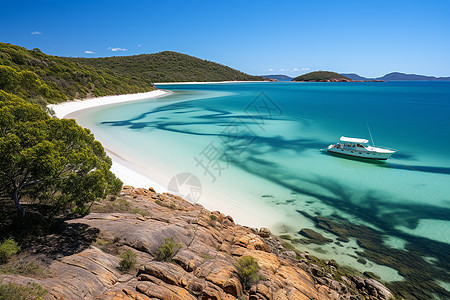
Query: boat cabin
(352, 143)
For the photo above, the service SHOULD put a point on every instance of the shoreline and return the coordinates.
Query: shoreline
(132, 174)
(211, 82)
(67, 108)
(122, 168)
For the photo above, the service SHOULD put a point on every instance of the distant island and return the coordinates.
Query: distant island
(322, 76)
(278, 77)
(397, 76)
(328, 76)
(355, 77)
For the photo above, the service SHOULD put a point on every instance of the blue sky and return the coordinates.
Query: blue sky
(370, 38)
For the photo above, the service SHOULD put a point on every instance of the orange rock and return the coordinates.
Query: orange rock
(251, 241)
(267, 262)
(222, 274)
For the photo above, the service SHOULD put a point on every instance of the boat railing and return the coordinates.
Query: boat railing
(387, 148)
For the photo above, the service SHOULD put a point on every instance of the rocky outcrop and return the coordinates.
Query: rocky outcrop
(372, 287)
(314, 236)
(202, 268)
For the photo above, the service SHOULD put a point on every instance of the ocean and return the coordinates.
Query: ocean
(253, 150)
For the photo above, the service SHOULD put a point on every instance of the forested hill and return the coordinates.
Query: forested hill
(167, 66)
(322, 76)
(42, 78)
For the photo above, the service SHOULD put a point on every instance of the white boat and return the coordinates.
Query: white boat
(360, 148)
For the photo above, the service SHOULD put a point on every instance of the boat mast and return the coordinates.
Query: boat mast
(371, 138)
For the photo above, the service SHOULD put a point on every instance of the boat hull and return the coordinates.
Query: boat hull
(361, 154)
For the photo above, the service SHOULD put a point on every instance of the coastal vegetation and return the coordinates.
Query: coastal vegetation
(20, 292)
(166, 66)
(321, 76)
(33, 76)
(48, 160)
(52, 167)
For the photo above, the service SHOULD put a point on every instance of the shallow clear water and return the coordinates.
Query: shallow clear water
(255, 147)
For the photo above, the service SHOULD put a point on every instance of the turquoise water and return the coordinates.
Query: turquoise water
(259, 147)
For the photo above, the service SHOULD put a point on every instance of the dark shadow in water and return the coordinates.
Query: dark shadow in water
(402, 155)
(427, 169)
(215, 117)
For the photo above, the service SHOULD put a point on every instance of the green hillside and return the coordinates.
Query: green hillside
(321, 76)
(167, 66)
(38, 77)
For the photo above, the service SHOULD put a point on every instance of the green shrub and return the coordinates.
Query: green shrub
(167, 250)
(128, 261)
(212, 220)
(20, 267)
(114, 204)
(163, 204)
(13, 291)
(140, 211)
(108, 246)
(8, 248)
(247, 268)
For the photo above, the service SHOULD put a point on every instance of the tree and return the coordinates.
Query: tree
(53, 161)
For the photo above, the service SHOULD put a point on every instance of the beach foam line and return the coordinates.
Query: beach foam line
(63, 109)
(123, 170)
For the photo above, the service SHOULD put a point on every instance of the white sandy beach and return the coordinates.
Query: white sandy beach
(63, 109)
(120, 167)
